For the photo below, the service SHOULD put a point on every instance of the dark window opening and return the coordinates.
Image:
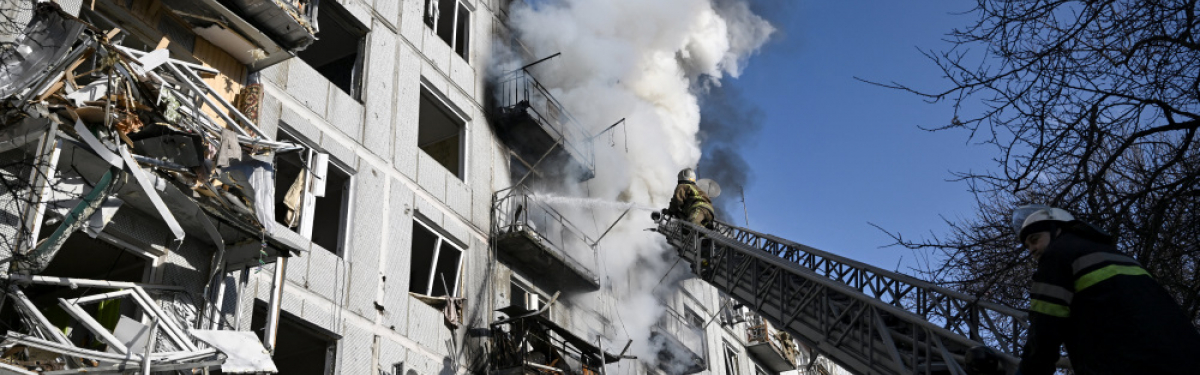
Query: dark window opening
(338, 52)
(328, 212)
(435, 263)
(526, 298)
(451, 20)
(300, 349)
(440, 134)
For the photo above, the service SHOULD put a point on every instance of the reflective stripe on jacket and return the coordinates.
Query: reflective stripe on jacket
(1108, 311)
(688, 197)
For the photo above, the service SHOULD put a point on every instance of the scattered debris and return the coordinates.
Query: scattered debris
(110, 127)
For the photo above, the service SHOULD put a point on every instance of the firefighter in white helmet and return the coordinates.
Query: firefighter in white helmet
(1101, 304)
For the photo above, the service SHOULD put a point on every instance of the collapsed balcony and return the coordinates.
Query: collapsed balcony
(534, 237)
(104, 152)
(258, 33)
(774, 349)
(541, 132)
(681, 345)
(528, 343)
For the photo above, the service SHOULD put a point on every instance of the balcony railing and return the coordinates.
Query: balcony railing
(672, 329)
(521, 94)
(528, 224)
(772, 347)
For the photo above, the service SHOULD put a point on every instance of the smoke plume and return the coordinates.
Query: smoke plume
(727, 122)
(647, 62)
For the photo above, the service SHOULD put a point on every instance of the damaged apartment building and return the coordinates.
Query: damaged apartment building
(308, 187)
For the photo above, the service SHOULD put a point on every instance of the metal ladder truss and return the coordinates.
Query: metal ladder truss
(869, 320)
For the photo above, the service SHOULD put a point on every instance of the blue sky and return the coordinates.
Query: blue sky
(836, 154)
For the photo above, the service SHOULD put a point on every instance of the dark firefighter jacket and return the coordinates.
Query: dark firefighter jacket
(687, 198)
(1108, 311)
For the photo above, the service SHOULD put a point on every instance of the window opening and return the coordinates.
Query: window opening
(731, 360)
(451, 21)
(440, 133)
(302, 206)
(693, 318)
(525, 297)
(300, 349)
(338, 52)
(436, 262)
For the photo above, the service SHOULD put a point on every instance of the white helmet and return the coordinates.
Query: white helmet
(1035, 218)
(687, 174)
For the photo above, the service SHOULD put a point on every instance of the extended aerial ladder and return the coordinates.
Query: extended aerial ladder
(867, 319)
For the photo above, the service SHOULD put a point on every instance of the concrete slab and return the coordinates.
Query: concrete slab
(432, 176)
(381, 94)
(345, 114)
(313, 90)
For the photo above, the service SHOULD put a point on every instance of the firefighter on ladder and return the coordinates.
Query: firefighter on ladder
(1113, 317)
(690, 202)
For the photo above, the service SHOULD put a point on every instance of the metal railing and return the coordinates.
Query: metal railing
(518, 209)
(519, 90)
(692, 337)
(867, 319)
(987, 322)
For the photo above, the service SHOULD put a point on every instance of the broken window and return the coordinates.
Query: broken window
(312, 195)
(440, 133)
(338, 53)
(300, 348)
(435, 263)
(525, 297)
(451, 21)
(731, 360)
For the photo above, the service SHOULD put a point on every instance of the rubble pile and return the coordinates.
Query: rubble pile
(105, 127)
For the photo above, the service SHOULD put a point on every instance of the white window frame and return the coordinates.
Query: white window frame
(534, 299)
(437, 250)
(464, 142)
(731, 360)
(319, 163)
(433, 12)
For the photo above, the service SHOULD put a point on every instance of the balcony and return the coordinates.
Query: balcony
(528, 343)
(538, 128)
(772, 348)
(258, 33)
(536, 238)
(680, 346)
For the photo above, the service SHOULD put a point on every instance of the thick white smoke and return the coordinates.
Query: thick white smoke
(645, 61)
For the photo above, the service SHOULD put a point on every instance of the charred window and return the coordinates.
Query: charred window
(524, 296)
(312, 195)
(436, 262)
(338, 53)
(441, 133)
(451, 21)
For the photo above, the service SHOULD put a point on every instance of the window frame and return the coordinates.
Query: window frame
(441, 238)
(309, 199)
(427, 90)
(731, 360)
(433, 17)
(534, 299)
(346, 21)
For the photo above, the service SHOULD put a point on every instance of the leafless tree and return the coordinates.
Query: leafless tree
(1092, 106)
